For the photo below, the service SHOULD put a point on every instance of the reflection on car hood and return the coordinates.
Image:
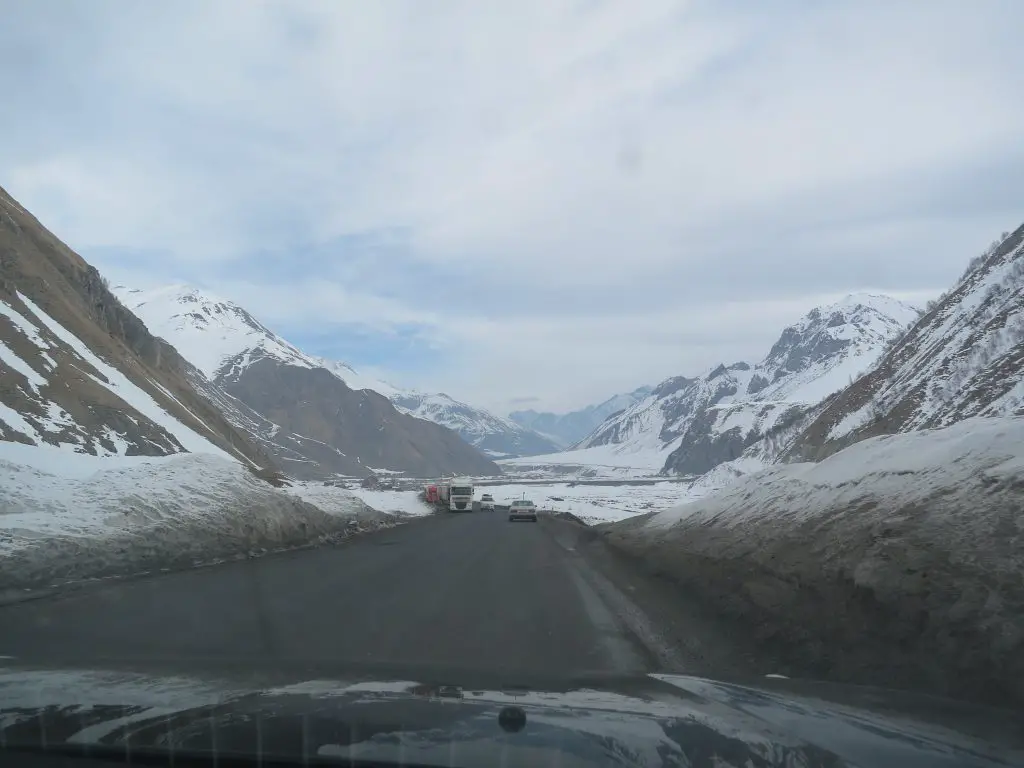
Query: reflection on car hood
(648, 721)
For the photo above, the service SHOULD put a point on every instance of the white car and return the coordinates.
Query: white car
(522, 509)
(487, 503)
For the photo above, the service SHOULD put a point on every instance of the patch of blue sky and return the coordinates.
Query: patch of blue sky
(403, 349)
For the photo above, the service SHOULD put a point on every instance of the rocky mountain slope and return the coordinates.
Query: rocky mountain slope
(915, 536)
(567, 429)
(963, 358)
(699, 423)
(316, 417)
(80, 373)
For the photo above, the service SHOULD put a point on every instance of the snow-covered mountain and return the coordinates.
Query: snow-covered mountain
(227, 341)
(963, 358)
(699, 423)
(221, 338)
(492, 434)
(316, 416)
(80, 374)
(567, 429)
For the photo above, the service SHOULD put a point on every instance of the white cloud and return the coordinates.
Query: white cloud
(651, 182)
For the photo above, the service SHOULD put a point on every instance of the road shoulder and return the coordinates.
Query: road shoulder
(675, 633)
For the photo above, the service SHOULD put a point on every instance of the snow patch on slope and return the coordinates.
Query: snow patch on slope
(221, 338)
(982, 327)
(212, 331)
(45, 421)
(121, 386)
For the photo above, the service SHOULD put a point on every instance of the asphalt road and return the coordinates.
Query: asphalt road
(459, 591)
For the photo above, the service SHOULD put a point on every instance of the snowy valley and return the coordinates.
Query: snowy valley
(197, 435)
(690, 425)
(525, 384)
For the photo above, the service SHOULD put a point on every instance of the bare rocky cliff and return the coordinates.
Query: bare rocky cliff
(350, 431)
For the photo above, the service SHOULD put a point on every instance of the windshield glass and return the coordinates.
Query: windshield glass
(736, 289)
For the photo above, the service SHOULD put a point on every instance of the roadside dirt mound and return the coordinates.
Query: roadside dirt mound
(896, 562)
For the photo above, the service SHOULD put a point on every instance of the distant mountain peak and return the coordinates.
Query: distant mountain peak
(859, 320)
(569, 428)
(496, 436)
(218, 333)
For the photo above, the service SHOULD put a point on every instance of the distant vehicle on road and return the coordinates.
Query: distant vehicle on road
(456, 494)
(522, 509)
(430, 493)
(487, 503)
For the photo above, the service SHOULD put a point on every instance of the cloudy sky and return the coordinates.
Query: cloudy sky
(522, 204)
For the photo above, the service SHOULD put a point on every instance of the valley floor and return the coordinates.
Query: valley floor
(610, 462)
(595, 502)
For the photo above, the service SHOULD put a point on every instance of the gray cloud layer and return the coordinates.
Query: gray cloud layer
(610, 193)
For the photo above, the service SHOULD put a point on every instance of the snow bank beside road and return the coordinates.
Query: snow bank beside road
(167, 512)
(397, 502)
(335, 500)
(898, 559)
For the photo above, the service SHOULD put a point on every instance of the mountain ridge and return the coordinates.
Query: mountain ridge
(303, 407)
(700, 422)
(963, 358)
(226, 339)
(78, 370)
(492, 434)
(568, 429)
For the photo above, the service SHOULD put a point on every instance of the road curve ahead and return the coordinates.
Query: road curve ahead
(460, 591)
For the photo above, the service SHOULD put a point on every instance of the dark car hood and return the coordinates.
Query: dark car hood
(648, 721)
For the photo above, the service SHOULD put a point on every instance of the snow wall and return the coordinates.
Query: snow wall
(168, 513)
(898, 561)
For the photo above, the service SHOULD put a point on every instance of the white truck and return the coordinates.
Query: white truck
(456, 494)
